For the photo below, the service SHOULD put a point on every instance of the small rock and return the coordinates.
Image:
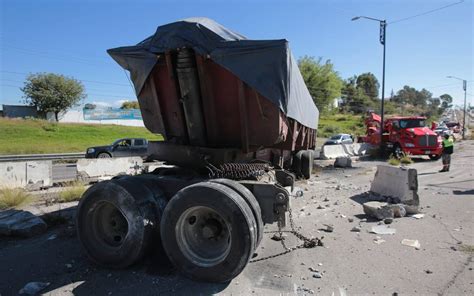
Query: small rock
(411, 243)
(320, 207)
(68, 265)
(350, 220)
(317, 275)
(453, 248)
(313, 269)
(337, 203)
(326, 199)
(388, 221)
(320, 264)
(338, 187)
(343, 162)
(277, 237)
(428, 271)
(356, 229)
(329, 228)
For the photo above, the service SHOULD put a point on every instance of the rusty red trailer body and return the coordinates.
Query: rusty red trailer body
(235, 115)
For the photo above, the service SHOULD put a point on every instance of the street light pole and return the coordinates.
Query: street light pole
(383, 39)
(464, 86)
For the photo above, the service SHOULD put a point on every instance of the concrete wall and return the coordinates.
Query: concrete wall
(342, 150)
(26, 174)
(108, 167)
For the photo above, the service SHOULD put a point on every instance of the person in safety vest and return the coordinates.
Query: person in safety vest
(448, 147)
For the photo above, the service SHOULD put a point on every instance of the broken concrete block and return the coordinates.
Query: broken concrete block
(20, 223)
(378, 210)
(397, 185)
(343, 162)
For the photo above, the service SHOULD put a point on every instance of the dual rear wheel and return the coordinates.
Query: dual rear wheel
(209, 230)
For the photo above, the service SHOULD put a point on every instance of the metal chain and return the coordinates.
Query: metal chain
(308, 243)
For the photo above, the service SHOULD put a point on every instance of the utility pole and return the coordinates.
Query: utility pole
(464, 87)
(383, 41)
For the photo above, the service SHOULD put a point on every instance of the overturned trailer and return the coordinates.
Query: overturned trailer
(236, 117)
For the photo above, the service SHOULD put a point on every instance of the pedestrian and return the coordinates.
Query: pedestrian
(448, 148)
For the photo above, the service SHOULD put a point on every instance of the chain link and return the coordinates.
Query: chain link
(308, 243)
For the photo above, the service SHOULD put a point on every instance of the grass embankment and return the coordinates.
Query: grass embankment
(30, 136)
(330, 125)
(13, 198)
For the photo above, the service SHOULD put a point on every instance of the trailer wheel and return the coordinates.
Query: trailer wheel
(297, 158)
(208, 232)
(307, 161)
(117, 220)
(252, 202)
(435, 156)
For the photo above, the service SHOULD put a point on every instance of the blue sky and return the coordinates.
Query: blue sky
(71, 37)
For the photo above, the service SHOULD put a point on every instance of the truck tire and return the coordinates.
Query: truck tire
(104, 155)
(252, 202)
(435, 156)
(307, 162)
(208, 232)
(117, 220)
(297, 158)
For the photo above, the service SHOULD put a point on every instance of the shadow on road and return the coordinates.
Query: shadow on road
(465, 192)
(56, 257)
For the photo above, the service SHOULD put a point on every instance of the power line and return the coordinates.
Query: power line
(425, 13)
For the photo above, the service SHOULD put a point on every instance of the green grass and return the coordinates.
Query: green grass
(30, 136)
(13, 198)
(406, 159)
(330, 125)
(72, 193)
(393, 160)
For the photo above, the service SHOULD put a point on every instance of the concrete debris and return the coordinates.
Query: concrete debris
(305, 290)
(317, 275)
(379, 241)
(33, 288)
(277, 237)
(411, 243)
(382, 229)
(20, 223)
(313, 269)
(329, 228)
(343, 162)
(356, 229)
(384, 210)
(418, 216)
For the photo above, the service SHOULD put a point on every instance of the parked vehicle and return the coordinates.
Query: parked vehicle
(441, 131)
(339, 139)
(126, 147)
(403, 135)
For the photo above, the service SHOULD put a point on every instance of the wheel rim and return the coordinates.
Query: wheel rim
(109, 225)
(104, 155)
(203, 236)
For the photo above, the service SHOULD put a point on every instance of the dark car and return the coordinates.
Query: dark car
(121, 148)
(339, 139)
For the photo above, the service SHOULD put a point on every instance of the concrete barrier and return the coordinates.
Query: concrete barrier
(28, 174)
(98, 168)
(397, 185)
(342, 150)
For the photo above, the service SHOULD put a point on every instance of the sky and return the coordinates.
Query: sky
(71, 38)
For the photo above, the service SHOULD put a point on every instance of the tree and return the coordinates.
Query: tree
(323, 82)
(369, 84)
(410, 95)
(355, 99)
(130, 105)
(52, 92)
(446, 101)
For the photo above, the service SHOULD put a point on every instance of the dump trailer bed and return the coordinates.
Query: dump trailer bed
(234, 114)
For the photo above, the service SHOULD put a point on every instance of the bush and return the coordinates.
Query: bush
(393, 160)
(406, 158)
(72, 194)
(13, 198)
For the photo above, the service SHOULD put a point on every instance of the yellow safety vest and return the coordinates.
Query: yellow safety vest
(447, 143)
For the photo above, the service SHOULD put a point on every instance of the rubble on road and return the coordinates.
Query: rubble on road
(343, 162)
(382, 229)
(20, 223)
(411, 243)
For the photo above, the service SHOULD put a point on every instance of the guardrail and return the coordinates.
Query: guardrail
(33, 157)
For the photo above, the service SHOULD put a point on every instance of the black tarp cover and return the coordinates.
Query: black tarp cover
(265, 65)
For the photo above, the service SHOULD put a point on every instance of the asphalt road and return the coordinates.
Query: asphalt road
(351, 263)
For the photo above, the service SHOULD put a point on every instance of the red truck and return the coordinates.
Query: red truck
(407, 134)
